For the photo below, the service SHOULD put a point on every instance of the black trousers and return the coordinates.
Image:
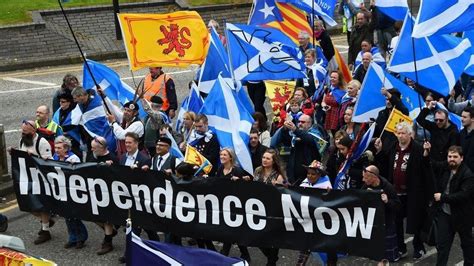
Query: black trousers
(445, 237)
(399, 217)
(271, 254)
(257, 95)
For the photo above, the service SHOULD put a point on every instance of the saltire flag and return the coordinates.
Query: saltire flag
(440, 59)
(396, 117)
(337, 62)
(322, 8)
(92, 118)
(454, 118)
(341, 181)
(229, 120)
(370, 101)
(73, 133)
(111, 84)
(259, 53)
(216, 62)
(396, 9)
(174, 149)
(319, 69)
(443, 16)
(285, 17)
(192, 103)
(147, 252)
(193, 156)
(470, 66)
(278, 92)
(377, 57)
(154, 40)
(244, 98)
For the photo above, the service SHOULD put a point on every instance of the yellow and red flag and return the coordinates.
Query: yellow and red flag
(294, 21)
(193, 156)
(395, 118)
(279, 92)
(341, 64)
(175, 39)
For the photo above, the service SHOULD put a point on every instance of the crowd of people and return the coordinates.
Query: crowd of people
(305, 144)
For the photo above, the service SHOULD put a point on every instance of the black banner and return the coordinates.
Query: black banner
(247, 213)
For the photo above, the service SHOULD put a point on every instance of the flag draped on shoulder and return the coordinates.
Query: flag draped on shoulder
(284, 17)
(148, 252)
(193, 156)
(370, 101)
(173, 39)
(444, 16)
(259, 53)
(396, 9)
(440, 59)
(322, 8)
(230, 120)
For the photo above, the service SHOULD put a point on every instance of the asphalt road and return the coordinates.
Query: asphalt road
(22, 91)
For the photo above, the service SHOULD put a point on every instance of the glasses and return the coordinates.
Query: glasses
(101, 143)
(26, 122)
(439, 120)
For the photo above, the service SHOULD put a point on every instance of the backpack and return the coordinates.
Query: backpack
(48, 135)
(36, 145)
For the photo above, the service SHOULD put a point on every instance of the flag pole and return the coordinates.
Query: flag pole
(312, 23)
(82, 55)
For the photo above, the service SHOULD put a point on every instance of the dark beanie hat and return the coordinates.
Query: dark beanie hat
(164, 140)
(156, 99)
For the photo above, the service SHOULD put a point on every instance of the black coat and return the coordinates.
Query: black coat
(257, 154)
(210, 150)
(441, 138)
(467, 144)
(393, 203)
(419, 184)
(461, 192)
(326, 44)
(140, 161)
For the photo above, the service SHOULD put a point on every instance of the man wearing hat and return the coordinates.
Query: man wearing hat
(125, 122)
(163, 159)
(157, 83)
(153, 121)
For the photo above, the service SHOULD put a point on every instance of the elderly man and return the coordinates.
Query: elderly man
(47, 128)
(157, 83)
(408, 172)
(324, 39)
(304, 41)
(359, 73)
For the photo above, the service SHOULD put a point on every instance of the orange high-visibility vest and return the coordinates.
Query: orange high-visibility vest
(158, 88)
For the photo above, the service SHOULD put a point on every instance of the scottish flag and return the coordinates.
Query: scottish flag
(216, 62)
(341, 181)
(193, 102)
(146, 252)
(470, 66)
(322, 8)
(370, 101)
(259, 53)
(110, 82)
(92, 118)
(440, 59)
(230, 120)
(396, 9)
(174, 147)
(444, 16)
(73, 133)
(264, 12)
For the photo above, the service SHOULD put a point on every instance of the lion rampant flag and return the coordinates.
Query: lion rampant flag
(192, 156)
(279, 92)
(153, 40)
(396, 117)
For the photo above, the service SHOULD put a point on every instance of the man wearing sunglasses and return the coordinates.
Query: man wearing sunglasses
(444, 134)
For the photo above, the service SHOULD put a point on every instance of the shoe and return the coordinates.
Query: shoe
(44, 236)
(51, 224)
(80, 244)
(403, 253)
(69, 245)
(122, 259)
(105, 248)
(418, 254)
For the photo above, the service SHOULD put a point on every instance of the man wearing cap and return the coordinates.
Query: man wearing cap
(153, 121)
(444, 134)
(157, 83)
(163, 159)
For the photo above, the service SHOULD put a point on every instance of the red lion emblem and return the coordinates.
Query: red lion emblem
(175, 39)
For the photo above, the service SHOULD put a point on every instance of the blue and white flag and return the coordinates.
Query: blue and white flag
(110, 82)
(264, 12)
(322, 8)
(92, 118)
(396, 9)
(440, 59)
(73, 133)
(470, 66)
(229, 120)
(377, 57)
(454, 118)
(370, 101)
(192, 103)
(444, 16)
(216, 62)
(341, 181)
(147, 252)
(174, 147)
(259, 53)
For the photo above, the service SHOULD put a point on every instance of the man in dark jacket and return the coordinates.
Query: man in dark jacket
(467, 136)
(324, 39)
(454, 196)
(362, 30)
(404, 167)
(256, 149)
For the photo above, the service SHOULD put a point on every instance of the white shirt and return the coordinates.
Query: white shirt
(163, 159)
(131, 158)
(44, 148)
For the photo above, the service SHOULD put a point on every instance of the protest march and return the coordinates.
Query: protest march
(282, 142)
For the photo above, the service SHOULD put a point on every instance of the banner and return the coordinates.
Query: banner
(154, 40)
(247, 213)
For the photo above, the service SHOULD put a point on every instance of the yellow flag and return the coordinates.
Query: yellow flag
(194, 157)
(279, 92)
(396, 117)
(175, 39)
